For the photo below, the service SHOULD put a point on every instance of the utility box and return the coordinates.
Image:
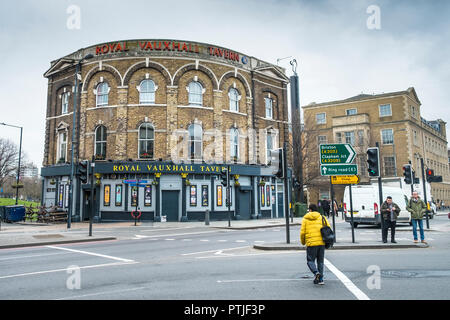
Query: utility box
(14, 213)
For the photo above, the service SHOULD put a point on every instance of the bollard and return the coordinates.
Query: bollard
(207, 217)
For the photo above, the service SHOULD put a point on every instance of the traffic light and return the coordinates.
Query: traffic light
(430, 174)
(415, 180)
(407, 172)
(373, 161)
(224, 177)
(83, 170)
(276, 162)
(431, 177)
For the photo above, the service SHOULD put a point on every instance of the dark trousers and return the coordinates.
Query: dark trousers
(315, 253)
(386, 225)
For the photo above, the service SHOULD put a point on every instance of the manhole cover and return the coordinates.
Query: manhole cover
(48, 236)
(399, 274)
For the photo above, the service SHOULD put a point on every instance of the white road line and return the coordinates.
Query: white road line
(65, 269)
(92, 254)
(204, 240)
(183, 234)
(186, 240)
(222, 240)
(100, 293)
(166, 229)
(265, 280)
(169, 239)
(216, 250)
(346, 281)
(246, 255)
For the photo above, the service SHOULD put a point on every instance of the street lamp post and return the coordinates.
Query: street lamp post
(20, 154)
(72, 164)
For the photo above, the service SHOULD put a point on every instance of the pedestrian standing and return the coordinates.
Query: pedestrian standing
(389, 212)
(311, 236)
(335, 205)
(417, 208)
(326, 207)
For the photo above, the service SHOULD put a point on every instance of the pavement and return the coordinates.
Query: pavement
(24, 234)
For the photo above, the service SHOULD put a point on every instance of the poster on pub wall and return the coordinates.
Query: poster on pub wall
(204, 196)
(134, 196)
(66, 196)
(193, 196)
(118, 195)
(60, 195)
(268, 195)
(219, 196)
(148, 196)
(106, 195)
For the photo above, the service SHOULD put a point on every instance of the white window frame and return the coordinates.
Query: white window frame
(234, 97)
(352, 137)
(195, 141)
(152, 94)
(103, 94)
(382, 137)
(65, 103)
(324, 121)
(268, 105)
(100, 141)
(320, 141)
(192, 94)
(60, 143)
(234, 143)
(146, 139)
(380, 108)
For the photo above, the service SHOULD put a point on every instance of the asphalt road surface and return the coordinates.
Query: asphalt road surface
(202, 263)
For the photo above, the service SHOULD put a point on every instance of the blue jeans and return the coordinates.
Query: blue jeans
(414, 225)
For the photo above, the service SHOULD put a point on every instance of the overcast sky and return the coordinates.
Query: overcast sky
(339, 52)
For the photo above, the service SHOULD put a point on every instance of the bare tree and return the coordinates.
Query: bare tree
(8, 159)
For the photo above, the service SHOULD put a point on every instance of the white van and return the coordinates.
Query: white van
(366, 206)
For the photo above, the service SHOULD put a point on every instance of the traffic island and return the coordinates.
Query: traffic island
(35, 240)
(341, 246)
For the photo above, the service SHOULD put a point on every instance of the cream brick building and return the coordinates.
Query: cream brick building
(394, 121)
(138, 100)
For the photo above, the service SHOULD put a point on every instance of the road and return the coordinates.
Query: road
(198, 263)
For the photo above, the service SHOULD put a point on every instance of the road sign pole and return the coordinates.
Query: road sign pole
(91, 213)
(424, 191)
(332, 207)
(380, 194)
(286, 195)
(351, 213)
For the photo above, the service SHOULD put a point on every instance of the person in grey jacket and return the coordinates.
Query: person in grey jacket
(417, 208)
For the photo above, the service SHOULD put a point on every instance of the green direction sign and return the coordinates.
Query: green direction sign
(338, 153)
(338, 169)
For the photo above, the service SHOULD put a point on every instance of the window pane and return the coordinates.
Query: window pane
(350, 112)
(320, 118)
(389, 166)
(387, 136)
(385, 110)
(147, 92)
(195, 93)
(234, 99)
(269, 109)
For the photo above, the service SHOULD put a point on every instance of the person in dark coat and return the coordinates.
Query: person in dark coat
(326, 207)
(389, 212)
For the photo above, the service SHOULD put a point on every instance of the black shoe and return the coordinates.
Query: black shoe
(317, 278)
(393, 241)
(384, 241)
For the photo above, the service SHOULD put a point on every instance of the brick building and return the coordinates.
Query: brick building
(172, 113)
(394, 120)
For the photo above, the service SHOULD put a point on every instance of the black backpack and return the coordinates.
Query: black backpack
(327, 234)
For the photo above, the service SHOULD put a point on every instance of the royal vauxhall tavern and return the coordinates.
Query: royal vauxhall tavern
(161, 119)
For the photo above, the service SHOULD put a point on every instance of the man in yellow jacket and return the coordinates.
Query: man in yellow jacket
(315, 247)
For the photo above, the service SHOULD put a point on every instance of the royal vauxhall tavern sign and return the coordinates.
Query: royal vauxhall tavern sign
(170, 46)
(336, 159)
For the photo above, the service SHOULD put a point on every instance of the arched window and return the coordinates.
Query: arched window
(234, 99)
(269, 109)
(147, 92)
(234, 144)
(65, 103)
(146, 141)
(269, 145)
(102, 94)
(195, 93)
(100, 143)
(195, 141)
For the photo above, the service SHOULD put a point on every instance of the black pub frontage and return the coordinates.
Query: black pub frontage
(165, 191)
